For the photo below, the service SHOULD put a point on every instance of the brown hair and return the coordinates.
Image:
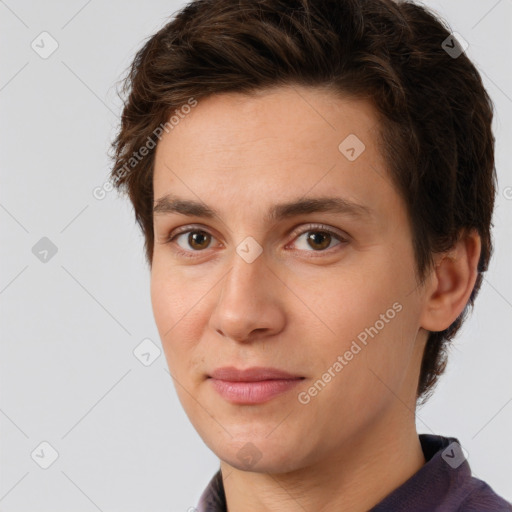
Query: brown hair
(435, 115)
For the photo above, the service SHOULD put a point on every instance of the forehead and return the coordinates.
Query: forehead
(271, 147)
(286, 118)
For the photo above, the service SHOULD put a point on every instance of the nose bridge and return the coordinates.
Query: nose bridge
(240, 286)
(246, 302)
(248, 266)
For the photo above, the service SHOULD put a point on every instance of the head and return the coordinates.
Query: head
(245, 107)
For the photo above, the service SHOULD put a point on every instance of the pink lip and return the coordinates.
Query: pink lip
(253, 385)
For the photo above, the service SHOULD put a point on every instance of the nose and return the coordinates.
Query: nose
(249, 304)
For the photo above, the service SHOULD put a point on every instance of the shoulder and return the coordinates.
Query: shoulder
(482, 498)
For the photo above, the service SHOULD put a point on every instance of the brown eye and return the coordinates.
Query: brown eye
(319, 240)
(198, 240)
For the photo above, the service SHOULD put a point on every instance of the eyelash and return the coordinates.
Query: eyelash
(311, 228)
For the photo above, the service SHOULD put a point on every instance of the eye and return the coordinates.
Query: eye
(197, 239)
(319, 238)
(316, 238)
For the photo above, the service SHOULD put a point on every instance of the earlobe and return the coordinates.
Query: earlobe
(452, 282)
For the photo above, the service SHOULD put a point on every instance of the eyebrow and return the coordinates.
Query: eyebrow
(169, 204)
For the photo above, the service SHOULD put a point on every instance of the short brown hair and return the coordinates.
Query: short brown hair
(435, 115)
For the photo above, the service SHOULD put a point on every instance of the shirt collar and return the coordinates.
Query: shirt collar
(444, 478)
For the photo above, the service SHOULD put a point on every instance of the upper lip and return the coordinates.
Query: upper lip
(254, 374)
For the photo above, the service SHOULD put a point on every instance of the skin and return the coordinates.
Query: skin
(297, 307)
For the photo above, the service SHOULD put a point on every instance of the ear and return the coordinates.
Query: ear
(451, 283)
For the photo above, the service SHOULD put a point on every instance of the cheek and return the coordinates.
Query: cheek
(369, 317)
(347, 301)
(173, 294)
(176, 310)
(369, 375)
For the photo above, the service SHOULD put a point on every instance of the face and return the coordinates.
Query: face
(281, 244)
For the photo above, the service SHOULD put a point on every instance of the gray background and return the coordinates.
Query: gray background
(69, 325)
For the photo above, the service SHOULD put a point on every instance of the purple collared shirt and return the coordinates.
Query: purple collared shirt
(443, 484)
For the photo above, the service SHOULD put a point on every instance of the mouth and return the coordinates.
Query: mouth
(253, 385)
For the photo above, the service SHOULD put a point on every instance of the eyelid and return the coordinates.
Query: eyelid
(319, 227)
(186, 229)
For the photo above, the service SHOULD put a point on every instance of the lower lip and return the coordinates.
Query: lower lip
(252, 392)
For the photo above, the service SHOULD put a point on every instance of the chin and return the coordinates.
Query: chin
(259, 454)
(273, 465)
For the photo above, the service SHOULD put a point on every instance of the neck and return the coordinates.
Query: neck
(356, 477)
